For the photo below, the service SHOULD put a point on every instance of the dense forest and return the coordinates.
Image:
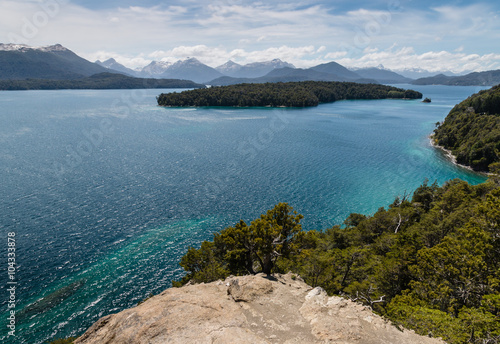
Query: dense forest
(429, 262)
(288, 94)
(472, 130)
(95, 82)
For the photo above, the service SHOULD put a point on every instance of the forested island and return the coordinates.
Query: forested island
(471, 131)
(287, 94)
(99, 81)
(429, 262)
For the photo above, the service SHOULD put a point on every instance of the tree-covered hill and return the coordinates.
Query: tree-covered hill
(289, 94)
(487, 78)
(430, 262)
(472, 130)
(97, 81)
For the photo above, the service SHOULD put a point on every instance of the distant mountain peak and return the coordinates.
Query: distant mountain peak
(252, 70)
(24, 47)
(13, 47)
(160, 63)
(275, 63)
(229, 64)
(112, 64)
(381, 74)
(51, 48)
(229, 67)
(156, 68)
(192, 60)
(21, 61)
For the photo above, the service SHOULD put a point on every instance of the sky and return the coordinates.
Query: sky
(457, 36)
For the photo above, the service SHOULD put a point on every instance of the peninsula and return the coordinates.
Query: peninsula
(287, 94)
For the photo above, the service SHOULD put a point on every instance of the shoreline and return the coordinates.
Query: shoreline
(452, 158)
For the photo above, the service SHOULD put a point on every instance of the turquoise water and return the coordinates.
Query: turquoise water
(105, 191)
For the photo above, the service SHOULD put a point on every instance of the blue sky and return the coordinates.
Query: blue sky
(458, 36)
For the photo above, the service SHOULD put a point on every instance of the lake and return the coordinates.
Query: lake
(105, 191)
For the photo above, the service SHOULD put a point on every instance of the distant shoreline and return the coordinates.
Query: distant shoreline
(102, 81)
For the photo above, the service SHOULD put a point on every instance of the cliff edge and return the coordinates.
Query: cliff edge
(248, 309)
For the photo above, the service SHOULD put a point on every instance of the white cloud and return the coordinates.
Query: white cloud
(214, 56)
(394, 58)
(302, 33)
(433, 61)
(336, 55)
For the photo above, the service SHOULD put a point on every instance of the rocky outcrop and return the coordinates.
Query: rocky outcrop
(249, 309)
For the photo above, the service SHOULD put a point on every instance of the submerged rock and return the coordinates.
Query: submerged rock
(51, 300)
(248, 309)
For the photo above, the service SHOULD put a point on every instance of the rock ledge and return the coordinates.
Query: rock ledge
(248, 309)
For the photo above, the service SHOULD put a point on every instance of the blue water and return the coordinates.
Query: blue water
(105, 191)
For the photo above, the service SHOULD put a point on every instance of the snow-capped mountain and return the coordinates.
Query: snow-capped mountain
(13, 47)
(229, 68)
(252, 70)
(53, 48)
(190, 69)
(155, 68)
(19, 61)
(24, 48)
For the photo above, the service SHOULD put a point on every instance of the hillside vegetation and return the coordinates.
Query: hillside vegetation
(430, 262)
(472, 130)
(289, 94)
(96, 82)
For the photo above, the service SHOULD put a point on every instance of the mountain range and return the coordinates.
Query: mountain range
(487, 78)
(193, 69)
(18, 62)
(258, 72)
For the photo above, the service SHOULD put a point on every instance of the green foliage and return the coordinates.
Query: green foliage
(289, 94)
(244, 249)
(425, 320)
(430, 263)
(472, 130)
(203, 264)
(97, 82)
